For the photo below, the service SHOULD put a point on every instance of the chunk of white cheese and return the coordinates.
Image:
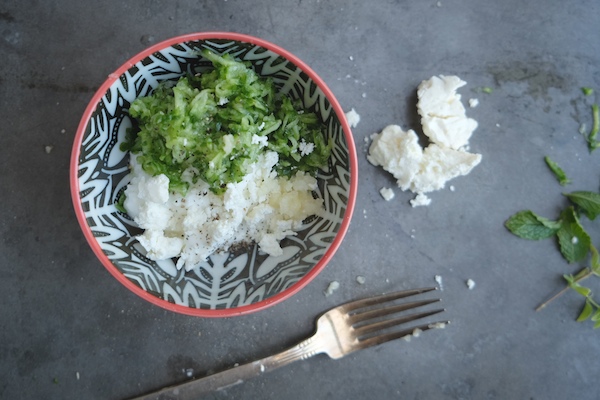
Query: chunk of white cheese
(442, 113)
(398, 152)
(448, 129)
(421, 171)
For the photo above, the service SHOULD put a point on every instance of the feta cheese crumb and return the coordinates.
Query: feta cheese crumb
(420, 200)
(437, 325)
(387, 193)
(574, 240)
(353, 118)
(222, 101)
(333, 286)
(360, 280)
(305, 148)
(473, 103)
(263, 141)
(438, 279)
(48, 149)
(470, 284)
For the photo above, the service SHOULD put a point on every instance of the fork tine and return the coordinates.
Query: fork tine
(370, 301)
(379, 339)
(361, 316)
(388, 323)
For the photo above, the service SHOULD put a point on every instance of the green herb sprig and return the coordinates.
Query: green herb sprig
(574, 243)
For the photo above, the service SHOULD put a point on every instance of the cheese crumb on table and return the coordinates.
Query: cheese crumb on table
(420, 200)
(353, 118)
(470, 284)
(387, 193)
(333, 286)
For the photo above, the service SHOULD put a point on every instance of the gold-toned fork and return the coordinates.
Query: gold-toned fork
(340, 331)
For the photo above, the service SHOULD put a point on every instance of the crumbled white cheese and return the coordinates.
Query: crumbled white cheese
(437, 325)
(446, 125)
(305, 148)
(353, 118)
(332, 287)
(387, 193)
(574, 240)
(420, 200)
(222, 101)
(261, 208)
(438, 279)
(360, 280)
(421, 171)
(473, 103)
(470, 283)
(442, 113)
(48, 149)
(263, 141)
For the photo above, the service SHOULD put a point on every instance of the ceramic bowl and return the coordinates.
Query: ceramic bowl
(227, 284)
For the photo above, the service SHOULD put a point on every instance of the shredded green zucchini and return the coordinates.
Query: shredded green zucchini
(215, 124)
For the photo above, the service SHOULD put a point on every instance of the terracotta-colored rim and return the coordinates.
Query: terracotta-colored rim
(74, 166)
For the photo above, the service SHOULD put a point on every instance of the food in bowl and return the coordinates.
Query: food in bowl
(241, 279)
(220, 159)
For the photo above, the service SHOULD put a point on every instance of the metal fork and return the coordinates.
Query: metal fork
(340, 331)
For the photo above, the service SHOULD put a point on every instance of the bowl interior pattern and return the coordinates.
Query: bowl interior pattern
(237, 278)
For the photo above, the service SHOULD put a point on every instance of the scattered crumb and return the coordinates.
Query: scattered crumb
(420, 200)
(63, 131)
(351, 58)
(353, 118)
(417, 332)
(77, 375)
(386, 193)
(437, 325)
(189, 372)
(574, 240)
(473, 103)
(48, 149)
(407, 338)
(452, 188)
(439, 4)
(262, 368)
(497, 125)
(333, 286)
(438, 279)
(361, 280)
(364, 95)
(470, 284)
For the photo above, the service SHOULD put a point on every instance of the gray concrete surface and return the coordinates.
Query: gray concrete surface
(71, 331)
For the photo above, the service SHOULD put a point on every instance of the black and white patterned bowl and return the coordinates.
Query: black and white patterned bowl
(229, 284)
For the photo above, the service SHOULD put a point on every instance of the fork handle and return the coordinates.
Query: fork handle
(236, 375)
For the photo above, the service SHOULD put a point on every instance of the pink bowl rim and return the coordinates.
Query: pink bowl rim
(216, 313)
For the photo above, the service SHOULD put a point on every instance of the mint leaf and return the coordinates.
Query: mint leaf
(595, 262)
(589, 202)
(588, 91)
(593, 143)
(528, 225)
(573, 239)
(558, 172)
(587, 311)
